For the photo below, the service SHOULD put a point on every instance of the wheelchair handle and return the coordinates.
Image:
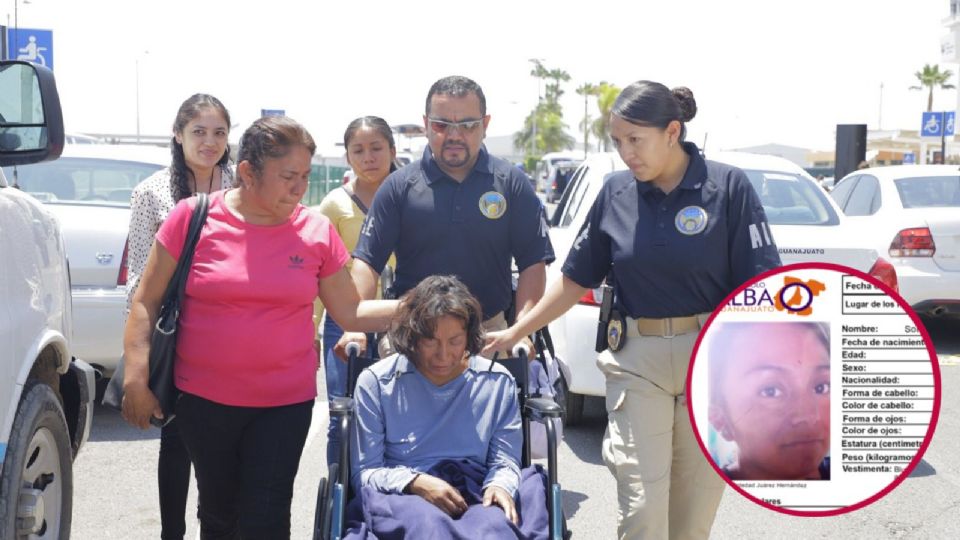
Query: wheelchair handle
(520, 350)
(353, 349)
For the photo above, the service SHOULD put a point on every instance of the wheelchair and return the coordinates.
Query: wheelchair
(334, 491)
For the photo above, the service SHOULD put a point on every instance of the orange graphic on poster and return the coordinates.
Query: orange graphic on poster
(796, 295)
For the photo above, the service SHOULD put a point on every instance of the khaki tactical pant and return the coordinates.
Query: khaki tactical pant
(665, 486)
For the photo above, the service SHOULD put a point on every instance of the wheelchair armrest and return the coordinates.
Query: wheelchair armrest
(540, 408)
(341, 406)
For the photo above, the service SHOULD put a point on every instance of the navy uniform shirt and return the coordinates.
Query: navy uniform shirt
(470, 229)
(678, 254)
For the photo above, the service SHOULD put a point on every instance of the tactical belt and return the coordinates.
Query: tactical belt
(669, 327)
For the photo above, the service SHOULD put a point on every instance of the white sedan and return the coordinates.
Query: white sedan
(806, 224)
(911, 213)
(88, 190)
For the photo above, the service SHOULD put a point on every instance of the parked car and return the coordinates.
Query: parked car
(80, 138)
(911, 213)
(88, 189)
(806, 225)
(546, 167)
(559, 179)
(46, 395)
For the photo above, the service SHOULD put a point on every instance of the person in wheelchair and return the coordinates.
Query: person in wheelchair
(437, 437)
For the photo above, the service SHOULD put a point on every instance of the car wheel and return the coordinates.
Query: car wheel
(36, 487)
(573, 405)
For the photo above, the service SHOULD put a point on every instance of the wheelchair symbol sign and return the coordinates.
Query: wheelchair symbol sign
(32, 45)
(932, 124)
(938, 124)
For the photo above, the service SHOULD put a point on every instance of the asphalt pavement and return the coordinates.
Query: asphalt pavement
(115, 481)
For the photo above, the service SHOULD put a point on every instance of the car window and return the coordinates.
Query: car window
(83, 179)
(929, 191)
(841, 192)
(565, 199)
(865, 199)
(576, 198)
(791, 199)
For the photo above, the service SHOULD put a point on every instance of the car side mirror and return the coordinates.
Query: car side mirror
(31, 121)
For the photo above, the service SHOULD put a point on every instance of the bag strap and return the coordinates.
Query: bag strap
(356, 200)
(178, 282)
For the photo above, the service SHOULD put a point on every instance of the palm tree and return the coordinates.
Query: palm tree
(606, 94)
(586, 90)
(931, 77)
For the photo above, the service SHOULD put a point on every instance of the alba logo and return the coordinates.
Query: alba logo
(796, 296)
(296, 261)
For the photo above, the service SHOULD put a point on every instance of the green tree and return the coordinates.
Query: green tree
(543, 129)
(586, 90)
(931, 77)
(606, 94)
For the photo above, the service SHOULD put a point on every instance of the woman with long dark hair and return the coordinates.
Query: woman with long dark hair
(200, 163)
(371, 152)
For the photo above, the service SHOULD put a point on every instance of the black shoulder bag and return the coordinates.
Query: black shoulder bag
(163, 340)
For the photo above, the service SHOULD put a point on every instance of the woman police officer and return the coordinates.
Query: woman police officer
(673, 236)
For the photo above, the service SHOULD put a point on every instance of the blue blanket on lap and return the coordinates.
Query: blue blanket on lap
(375, 515)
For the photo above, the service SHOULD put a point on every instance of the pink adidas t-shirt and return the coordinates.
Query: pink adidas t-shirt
(246, 329)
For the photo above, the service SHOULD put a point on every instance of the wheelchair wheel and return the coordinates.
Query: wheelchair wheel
(319, 521)
(328, 504)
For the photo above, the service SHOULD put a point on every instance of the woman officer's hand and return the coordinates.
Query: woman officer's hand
(501, 340)
(504, 341)
(139, 404)
(499, 496)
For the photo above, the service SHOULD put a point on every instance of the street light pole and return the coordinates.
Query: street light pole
(136, 68)
(880, 111)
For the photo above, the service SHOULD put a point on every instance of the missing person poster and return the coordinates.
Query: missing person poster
(813, 390)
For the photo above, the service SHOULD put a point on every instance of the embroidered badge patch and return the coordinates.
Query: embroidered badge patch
(493, 205)
(691, 220)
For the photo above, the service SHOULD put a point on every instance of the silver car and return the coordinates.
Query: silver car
(88, 189)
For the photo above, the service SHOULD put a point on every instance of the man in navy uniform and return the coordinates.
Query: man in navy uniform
(458, 211)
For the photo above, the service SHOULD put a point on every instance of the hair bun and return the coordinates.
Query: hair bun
(688, 105)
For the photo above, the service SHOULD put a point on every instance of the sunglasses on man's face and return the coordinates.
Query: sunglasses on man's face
(443, 126)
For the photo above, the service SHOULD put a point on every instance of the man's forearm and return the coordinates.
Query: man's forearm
(365, 278)
(530, 286)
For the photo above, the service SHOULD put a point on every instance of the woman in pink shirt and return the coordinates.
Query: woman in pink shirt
(246, 364)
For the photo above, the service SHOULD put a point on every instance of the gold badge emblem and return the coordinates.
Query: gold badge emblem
(493, 205)
(691, 220)
(615, 334)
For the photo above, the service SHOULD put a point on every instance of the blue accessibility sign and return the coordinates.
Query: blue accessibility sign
(937, 124)
(32, 45)
(909, 158)
(932, 124)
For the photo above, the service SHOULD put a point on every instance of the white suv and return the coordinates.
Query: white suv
(46, 396)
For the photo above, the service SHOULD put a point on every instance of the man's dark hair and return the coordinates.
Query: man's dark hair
(457, 86)
(423, 306)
